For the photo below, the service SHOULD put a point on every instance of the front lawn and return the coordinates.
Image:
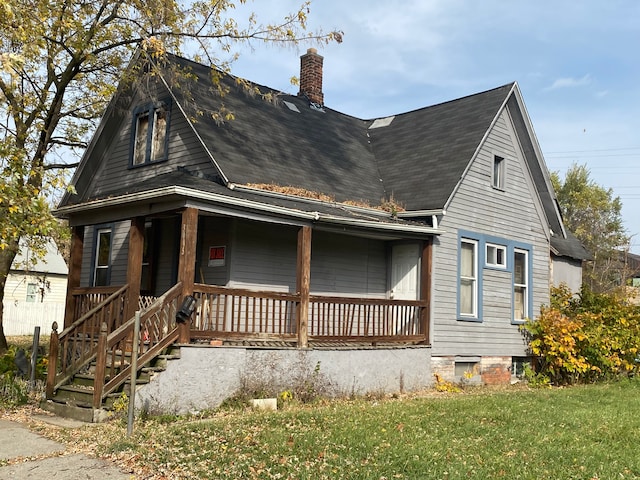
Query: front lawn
(582, 432)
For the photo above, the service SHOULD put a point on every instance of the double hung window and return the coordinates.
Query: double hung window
(468, 288)
(150, 135)
(102, 259)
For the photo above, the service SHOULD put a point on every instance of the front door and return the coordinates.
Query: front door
(404, 272)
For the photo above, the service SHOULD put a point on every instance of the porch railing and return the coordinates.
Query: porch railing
(158, 330)
(228, 312)
(370, 319)
(231, 312)
(76, 346)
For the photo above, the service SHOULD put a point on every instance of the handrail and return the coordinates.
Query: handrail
(158, 330)
(77, 344)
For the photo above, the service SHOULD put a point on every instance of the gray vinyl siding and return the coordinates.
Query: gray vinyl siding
(119, 252)
(214, 233)
(184, 150)
(348, 266)
(514, 215)
(264, 257)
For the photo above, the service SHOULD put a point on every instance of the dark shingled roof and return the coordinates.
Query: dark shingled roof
(418, 158)
(569, 247)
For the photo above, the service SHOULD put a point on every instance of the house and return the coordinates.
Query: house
(567, 258)
(377, 252)
(35, 291)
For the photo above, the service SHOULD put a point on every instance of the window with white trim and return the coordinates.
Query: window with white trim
(499, 172)
(32, 292)
(102, 260)
(468, 286)
(150, 135)
(496, 256)
(520, 285)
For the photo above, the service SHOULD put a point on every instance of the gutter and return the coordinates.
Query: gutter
(175, 190)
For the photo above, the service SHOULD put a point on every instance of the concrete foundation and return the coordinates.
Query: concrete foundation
(204, 376)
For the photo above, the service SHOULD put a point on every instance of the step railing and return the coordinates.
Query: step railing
(76, 346)
(158, 330)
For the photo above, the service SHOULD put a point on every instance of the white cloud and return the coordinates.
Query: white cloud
(570, 82)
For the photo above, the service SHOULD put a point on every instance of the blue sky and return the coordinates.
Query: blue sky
(576, 62)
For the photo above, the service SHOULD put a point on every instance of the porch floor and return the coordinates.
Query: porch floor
(313, 344)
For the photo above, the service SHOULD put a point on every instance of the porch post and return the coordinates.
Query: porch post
(303, 281)
(134, 265)
(425, 288)
(187, 261)
(73, 279)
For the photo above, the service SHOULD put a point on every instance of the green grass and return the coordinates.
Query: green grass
(588, 432)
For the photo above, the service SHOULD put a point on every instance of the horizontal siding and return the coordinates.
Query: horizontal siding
(119, 252)
(15, 290)
(510, 214)
(348, 266)
(114, 174)
(264, 257)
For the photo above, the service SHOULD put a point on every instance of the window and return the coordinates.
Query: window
(468, 288)
(520, 285)
(499, 166)
(102, 258)
(496, 256)
(150, 135)
(32, 292)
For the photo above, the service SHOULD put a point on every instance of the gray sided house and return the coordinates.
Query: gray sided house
(376, 252)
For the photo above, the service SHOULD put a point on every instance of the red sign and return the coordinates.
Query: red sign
(216, 256)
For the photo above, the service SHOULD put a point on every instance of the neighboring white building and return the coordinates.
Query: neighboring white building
(35, 294)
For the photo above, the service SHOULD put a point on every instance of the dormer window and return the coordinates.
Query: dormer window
(150, 127)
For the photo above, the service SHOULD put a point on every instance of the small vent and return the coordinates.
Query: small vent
(382, 122)
(291, 106)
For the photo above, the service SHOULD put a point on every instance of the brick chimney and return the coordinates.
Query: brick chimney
(311, 76)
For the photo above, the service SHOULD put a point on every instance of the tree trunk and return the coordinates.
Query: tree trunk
(6, 259)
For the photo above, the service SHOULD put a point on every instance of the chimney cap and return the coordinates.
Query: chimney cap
(312, 50)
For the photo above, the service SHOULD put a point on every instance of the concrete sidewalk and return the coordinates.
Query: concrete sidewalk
(17, 442)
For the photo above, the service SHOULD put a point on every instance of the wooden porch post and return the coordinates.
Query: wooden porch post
(303, 281)
(425, 288)
(134, 265)
(73, 279)
(187, 261)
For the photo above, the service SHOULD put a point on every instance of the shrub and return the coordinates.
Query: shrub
(583, 338)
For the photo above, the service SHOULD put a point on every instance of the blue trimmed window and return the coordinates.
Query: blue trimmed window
(468, 279)
(101, 262)
(478, 253)
(150, 134)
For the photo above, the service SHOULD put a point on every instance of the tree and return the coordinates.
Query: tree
(60, 63)
(594, 215)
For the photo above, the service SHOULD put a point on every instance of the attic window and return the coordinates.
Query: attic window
(499, 172)
(149, 139)
(382, 122)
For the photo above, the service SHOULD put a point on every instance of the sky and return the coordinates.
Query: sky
(576, 63)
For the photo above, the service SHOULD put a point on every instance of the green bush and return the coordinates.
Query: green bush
(584, 338)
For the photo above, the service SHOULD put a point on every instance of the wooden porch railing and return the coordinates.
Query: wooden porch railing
(228, 312)
(369, 319)
(76, 346)
(231, 312)
(158, 330)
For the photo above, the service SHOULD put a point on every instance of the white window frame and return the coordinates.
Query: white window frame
(472, 279)
(499, 172)
(524, 286)
(497, 248)
(32, 292)
(97, 266)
